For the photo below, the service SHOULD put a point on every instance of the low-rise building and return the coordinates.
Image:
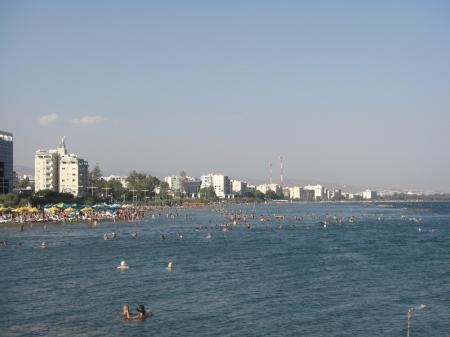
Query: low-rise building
(175, 183)
(369, 195)
(121, 179)
(191, 187)
(264, 188)
(295, 193)
(238, 186)
(336, 194)
(318, 191)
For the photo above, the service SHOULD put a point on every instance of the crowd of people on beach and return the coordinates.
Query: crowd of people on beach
(71, 213)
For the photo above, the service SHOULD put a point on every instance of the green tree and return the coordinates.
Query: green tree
(254, 194)
(142, 184)
(9, 200)
(44, 197)
(208, 193)
(271, 195)
(24, 183)
(116, 189)
(95, 175)
(163, 189)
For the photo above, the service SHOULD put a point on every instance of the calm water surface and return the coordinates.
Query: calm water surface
(280, 278)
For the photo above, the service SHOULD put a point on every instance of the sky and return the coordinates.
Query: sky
(351, 92)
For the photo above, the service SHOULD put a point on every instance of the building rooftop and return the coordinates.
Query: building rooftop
(6, 136)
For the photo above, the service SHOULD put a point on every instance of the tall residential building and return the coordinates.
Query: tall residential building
(73, 174)
(57, 170)
(46, 173)
(219, 182)
(6, 162)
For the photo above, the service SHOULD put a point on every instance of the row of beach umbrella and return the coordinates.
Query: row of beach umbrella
(59, 207)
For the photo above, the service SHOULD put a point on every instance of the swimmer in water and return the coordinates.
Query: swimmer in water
(209, 236)
(126, 312)
(142, 313)
(44, 245)
(169, 265)
(122, 265)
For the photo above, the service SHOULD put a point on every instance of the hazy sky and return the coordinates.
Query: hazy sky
(353, 92)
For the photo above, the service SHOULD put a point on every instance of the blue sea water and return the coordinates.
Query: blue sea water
(280, 278)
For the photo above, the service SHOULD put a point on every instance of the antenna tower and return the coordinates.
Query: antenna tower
(270, 173)
(281, 171)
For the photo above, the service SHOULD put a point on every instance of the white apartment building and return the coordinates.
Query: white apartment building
(318, 191)
(46, 174)
(58, 171)
(219, 182)
(295, 193)
(238, 186)
(369, 195)
(73, 175)
(121, 179)
(264, 188)
(175, 182)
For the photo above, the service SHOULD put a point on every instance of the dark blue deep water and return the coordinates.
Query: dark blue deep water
(280, 278)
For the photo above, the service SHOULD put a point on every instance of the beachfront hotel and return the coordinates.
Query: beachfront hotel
(6, 162)
(57, 170)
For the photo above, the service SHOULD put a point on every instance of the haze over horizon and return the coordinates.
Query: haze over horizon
(351, 93)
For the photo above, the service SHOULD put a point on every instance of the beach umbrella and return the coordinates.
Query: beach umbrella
(33, 210)
(86, 209)
(70, 209)
(52, 209)
(3, 209)
(17, 210)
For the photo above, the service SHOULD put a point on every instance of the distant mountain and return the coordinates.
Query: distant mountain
(22, 169)
(120, 172)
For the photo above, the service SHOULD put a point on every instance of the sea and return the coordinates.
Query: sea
(293, 274)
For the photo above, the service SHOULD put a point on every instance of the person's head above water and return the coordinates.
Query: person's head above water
(141, 309)
(126, 311)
